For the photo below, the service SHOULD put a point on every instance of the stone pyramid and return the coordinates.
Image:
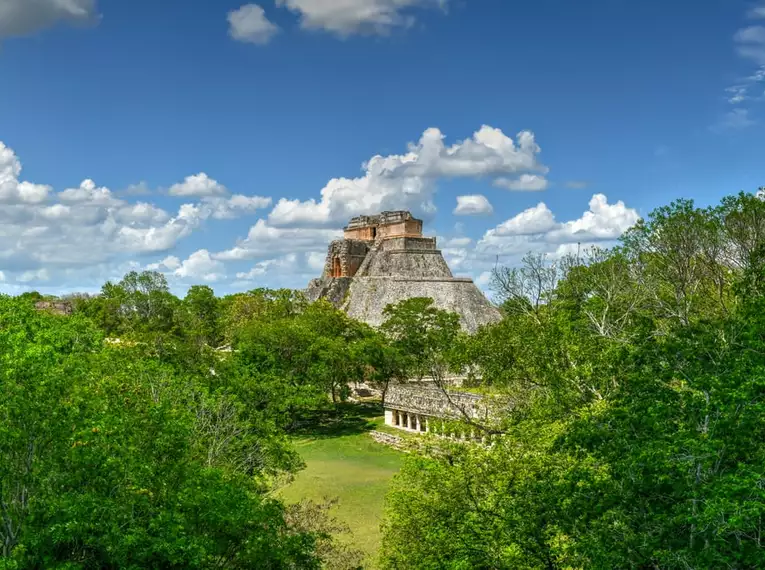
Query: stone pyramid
(385, 259)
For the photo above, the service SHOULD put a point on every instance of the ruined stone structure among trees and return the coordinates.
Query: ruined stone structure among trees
(384, 259)
(416, 407)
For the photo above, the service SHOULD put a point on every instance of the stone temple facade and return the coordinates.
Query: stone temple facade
(384, 259)
(418, 408)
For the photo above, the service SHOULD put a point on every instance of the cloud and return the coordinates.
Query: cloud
(24, 17)
(537, 229)
(603, 221)
(141, 214)
(216, 200)
(455, 242)
(737, 94)
(750, 43)
(263, 267)
(198, 185)
(28, 276)
(408, 181)
(140, 189)
(89, 193)
(347, 17)
(234, 206)
(291, 269)
(735, 119)
(756, 12)
(263, 240)
(526, 183)
(170, 262)
(249, 24)
(472, 205)
(577, 184)
(199, 266)
(84, 232)
(12, 190)
(536, 220)
(483, 279)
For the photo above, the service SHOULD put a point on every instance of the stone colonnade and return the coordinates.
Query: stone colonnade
(414, 422)
(408, 421)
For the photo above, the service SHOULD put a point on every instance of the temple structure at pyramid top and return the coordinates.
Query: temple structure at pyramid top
(384, 259)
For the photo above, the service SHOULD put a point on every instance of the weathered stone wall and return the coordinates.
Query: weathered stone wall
(333, 290)
(403, 228)
(431, 401)
(366, 233)
(422, 261)
(344, 257)
(383, 225)
(55, 307)
(409, 244)
(368, 296)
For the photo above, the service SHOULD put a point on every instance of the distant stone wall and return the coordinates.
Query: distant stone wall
(55, 307)
(432, 402)
(368, 296)
(406, 263)
(402, 228)
(344, 257)
(333, 290)
(407, 243)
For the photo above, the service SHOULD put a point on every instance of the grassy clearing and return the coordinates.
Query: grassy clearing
(343, 461)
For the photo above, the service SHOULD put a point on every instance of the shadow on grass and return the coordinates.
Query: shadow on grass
(347, 418)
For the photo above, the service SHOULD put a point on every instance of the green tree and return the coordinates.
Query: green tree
(423, 334)
(635, 440)
(200, 316)
(123, 458)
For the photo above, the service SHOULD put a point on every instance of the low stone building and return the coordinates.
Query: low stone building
(63, 308)
(385, 259)
(420, 408)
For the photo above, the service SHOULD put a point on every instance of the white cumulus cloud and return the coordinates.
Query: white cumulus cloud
(263, 240)
(198, 185)
(536, 220)
(12, 190)
(249, 24)
(347, 17)
(537, 229)
(472, 205)
(408, 181)
(85, 232)
(200, 266)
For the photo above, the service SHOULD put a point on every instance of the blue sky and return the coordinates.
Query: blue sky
(202, 138)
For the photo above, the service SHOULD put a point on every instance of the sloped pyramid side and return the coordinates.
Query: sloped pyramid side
(395, 270)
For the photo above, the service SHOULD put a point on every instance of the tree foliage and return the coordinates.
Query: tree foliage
(636, 438)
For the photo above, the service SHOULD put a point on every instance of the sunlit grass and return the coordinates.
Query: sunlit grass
(348, 464)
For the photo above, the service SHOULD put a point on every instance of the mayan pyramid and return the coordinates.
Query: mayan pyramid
(385, 259)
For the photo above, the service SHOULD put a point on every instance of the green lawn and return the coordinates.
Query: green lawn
(343, 461)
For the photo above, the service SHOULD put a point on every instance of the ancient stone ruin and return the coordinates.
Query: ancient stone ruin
(55, 307)
(414, 406)
(385, 259)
